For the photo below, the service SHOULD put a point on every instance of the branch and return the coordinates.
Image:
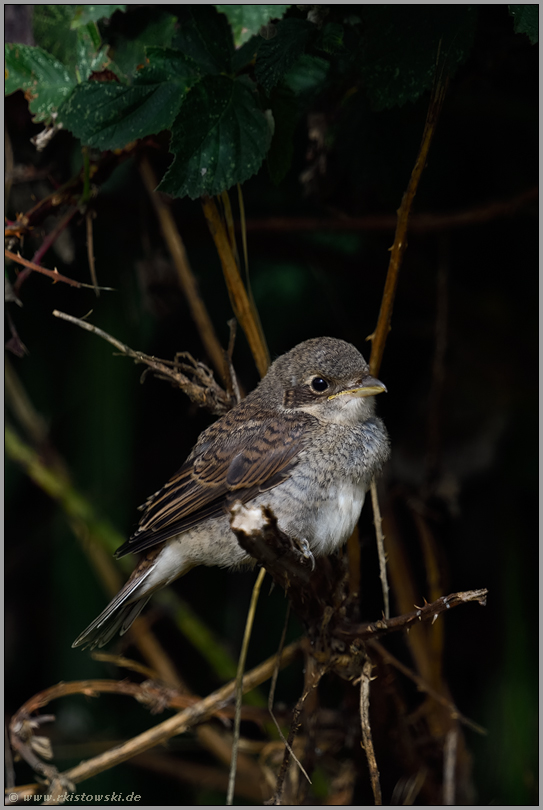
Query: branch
(319, 595)
(178, 724)
(429, 612)
(54, 274)
(243, 307)
(418, 223)
(400, 238)
(186, 277)
(367, 741)
(201, 389)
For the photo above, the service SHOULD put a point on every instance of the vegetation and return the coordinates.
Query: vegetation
(272, 146)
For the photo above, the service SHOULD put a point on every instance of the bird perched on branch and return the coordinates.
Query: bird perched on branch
(306, 443)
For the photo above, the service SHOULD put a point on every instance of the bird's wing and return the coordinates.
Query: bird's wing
(233, 463)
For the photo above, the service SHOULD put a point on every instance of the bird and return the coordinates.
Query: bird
(305, 443)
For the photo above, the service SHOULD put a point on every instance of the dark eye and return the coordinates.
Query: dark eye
(319, 384)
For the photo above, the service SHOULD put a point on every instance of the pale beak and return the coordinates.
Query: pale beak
(369, 388)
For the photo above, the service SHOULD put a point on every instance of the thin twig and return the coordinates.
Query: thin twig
(367, 742)
(90, 251)
(54, 274)
(205, 393)
(294, 726)
(232, 384)
(180, 722)
(187, 280)
(239, 682)
(244, 310)
(422, 222)
(423, 686)
(449, 766)
(400, 239)
(271, 696)
(377, 520)
(428, 612)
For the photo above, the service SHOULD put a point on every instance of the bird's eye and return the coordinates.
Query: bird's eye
(319, 384)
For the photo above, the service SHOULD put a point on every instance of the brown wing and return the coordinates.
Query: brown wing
(236, 462)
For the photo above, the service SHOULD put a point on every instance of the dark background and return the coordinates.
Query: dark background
(121, 440)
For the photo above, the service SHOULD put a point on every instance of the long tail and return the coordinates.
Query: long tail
(118, 616)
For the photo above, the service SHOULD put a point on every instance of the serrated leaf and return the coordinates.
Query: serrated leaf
(247, 20)
(89, 57)
(220, 138)
(45, 81)
(86, 14)
(307, 75)
(400, 44)
(51, 29)
(108, 115)
(204, 35)
(526, 20)
(331, 38)
(244, 56)
(277, 55)
(129, 52)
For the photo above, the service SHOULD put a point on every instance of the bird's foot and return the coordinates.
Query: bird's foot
(306, 551)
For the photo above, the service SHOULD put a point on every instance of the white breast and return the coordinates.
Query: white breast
(336, 518)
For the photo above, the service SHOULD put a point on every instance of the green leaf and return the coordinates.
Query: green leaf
(244, 56)
(307, 75)
(52, 31)
(246, 20)
(86, 14)
(44, 80)
(400, 45)
(205, 36)
(129, 51)
(331, 38)
(89, 57)
(110, 115)
(277, 55)
(526, 20)
(220, 138)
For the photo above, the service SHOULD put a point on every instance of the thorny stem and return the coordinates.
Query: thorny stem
(367, 741)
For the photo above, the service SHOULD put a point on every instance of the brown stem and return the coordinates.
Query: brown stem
(244, 310)
(367, 741)
(54, 274)
(418, 223)
(180, 722)
(186, 276)
(400, 239)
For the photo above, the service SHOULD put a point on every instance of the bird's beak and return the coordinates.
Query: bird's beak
(369, 388)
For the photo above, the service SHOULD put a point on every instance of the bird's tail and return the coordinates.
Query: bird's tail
(118, 616)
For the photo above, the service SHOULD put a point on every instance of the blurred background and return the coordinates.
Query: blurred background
(460, 365)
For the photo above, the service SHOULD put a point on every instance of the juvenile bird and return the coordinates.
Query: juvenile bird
(306, 443)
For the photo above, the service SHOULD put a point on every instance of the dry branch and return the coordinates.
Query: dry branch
(185, 274)
(193, 377)
(179, 723)
(367, 740)
(422, 222)
(400, 238)
(54, 274)
(243, 307)
(319, 596)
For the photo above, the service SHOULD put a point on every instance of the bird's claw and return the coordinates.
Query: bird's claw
(307, 553)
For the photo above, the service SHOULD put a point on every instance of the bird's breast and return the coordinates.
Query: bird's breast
(336, 516)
